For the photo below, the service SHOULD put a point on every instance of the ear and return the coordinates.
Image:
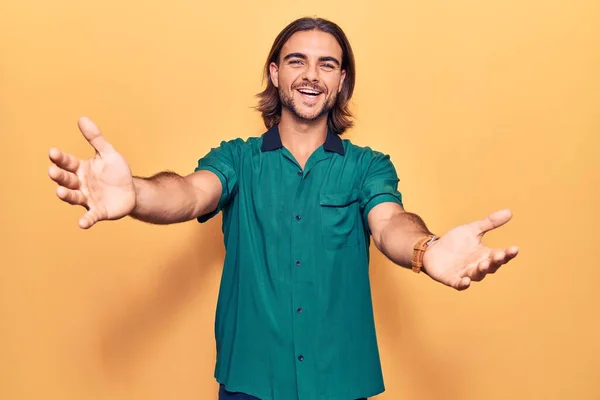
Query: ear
(274, 73)
(342, 81)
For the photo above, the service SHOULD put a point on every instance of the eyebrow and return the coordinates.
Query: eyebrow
(303, 56)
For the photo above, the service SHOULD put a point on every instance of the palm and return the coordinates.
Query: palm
(460, 257)
(102, 184)
(107, 184)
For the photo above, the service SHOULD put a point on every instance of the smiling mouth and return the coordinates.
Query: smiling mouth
(309, 92)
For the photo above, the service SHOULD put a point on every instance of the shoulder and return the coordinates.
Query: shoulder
(227, 153)
(364, 155)
(240, 143)
(237, 146)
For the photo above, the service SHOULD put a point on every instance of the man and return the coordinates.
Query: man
(300, 205)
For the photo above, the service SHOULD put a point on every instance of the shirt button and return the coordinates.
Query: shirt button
(299, 310)
(301, 358)
(300, 173)
(298, 262)
(298, 217)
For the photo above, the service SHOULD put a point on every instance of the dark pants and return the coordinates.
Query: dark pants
(226, 395)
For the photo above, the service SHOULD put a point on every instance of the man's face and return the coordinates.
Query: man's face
(309, 75)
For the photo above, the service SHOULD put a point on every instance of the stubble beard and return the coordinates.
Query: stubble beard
(289, 103)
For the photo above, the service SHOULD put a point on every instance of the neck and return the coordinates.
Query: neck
(301, 137)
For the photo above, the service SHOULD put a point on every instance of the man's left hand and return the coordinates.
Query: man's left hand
(459, 257)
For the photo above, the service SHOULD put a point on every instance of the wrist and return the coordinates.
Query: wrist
(140, 185)
(424, 243)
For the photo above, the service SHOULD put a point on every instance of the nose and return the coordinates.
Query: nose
(311, 73)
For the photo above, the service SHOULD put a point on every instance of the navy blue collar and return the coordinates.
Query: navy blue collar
(272, 141)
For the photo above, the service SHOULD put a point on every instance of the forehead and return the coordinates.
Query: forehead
(312, 43)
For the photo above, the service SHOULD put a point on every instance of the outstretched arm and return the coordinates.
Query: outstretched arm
(167, 197)
(456, 259)
(396, 231)
(105, 187)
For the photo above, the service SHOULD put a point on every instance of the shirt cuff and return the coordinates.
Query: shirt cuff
(376, 200)
(224, 192)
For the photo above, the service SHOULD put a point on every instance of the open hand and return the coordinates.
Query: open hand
(459, 257)
(103, 185)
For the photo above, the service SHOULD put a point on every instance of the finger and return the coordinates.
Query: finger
(63, 160)
(88, 220)
(63, 177)
(493, 221)
(463, 283)
(498, 257)
(497, 260)
(94, 136)
(478, 273)
(502, 257)
(512, 252)
(73, 197)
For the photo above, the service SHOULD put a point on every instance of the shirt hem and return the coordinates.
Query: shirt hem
(249, 392)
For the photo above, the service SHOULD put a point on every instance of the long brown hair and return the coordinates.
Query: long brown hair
(269, 105)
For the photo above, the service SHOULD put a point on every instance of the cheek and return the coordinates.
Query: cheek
(287, 79)
(332, 88)
(334, 85)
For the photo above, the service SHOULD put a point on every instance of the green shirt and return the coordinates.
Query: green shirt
(294, 318)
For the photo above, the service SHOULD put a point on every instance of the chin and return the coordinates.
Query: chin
(310, 112)
(312, 116)
(300, 110)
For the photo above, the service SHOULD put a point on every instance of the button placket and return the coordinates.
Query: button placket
(304, 346)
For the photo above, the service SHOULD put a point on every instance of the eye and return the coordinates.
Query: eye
(328, 66)
(295, 62)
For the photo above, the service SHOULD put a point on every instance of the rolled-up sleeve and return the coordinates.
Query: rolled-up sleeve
(222, 161)
(380, 184)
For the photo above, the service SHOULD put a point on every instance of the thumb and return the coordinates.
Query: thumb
(94, 136)
(493, 221)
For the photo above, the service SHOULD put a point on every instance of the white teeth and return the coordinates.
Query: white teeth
(308, 91)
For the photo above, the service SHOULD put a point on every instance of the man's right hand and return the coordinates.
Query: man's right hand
(103, 184)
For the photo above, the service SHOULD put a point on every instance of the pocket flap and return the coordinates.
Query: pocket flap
(338, 199)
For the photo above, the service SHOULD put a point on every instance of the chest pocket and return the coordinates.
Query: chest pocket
(339, 219)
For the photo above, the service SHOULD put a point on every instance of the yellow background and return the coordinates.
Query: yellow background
(482, 105)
